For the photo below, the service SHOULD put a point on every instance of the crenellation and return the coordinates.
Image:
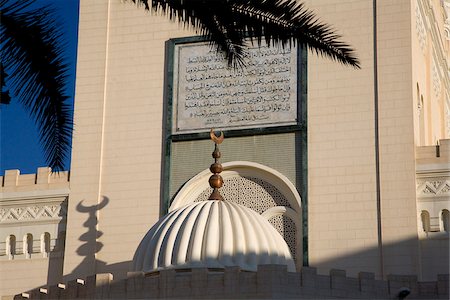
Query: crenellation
(11, 178)
(397, 282)
(44, 178)
(102, 285)
(436, 153)
(135, 285)
(270, 281)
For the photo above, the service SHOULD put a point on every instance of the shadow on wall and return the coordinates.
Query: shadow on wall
(364, 261)
(88, 249)
(56, 256)
(91, 246)
(118, 270)
(435, 260)
(431, 253)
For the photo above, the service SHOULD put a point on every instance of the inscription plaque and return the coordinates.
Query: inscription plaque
(208, 94)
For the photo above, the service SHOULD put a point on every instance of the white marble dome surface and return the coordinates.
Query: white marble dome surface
(211, 234)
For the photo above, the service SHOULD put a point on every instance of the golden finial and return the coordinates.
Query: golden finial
(216, 181)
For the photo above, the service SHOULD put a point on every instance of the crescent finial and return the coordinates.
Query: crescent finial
(216, 139)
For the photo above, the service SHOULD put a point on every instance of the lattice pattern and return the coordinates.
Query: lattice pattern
(286, 227)
(258, 195)
(251, 192)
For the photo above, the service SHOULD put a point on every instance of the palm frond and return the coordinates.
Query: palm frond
(32, 53)
(227, 24)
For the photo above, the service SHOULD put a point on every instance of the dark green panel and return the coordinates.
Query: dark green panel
(282, 148)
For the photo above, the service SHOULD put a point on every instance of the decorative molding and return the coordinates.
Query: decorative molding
(420, 28)
(433, 187)
(53, 211)
(427, 24)
(446, 6)
(436, 78)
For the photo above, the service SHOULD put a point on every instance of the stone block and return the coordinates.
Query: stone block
(366, 282)
(166, 283)
(381, 288)
(81, 287)
(309, 275)
(90, 286)
(337, 273)
(231, 281)
(135, 285)
(397, 282)
(247, 283)
(35, 293)
(182, 285)
(151, 286)
(62, 291)
(43, 174)
(118, 289)
(11, 178)
(428, 289)
(199, 281)
(294, 279)
(443, 286)
(323, 282)
(337, 279)
(215, 284)
(102, 285)
(53, 292)
(271, 277)
(23, 296)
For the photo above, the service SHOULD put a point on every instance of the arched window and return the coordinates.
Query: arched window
(11, 246)
(28, 245)
(445, 220)
(425, 216)
(45, 244)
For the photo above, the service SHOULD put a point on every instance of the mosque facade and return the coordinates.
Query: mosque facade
(350, 168)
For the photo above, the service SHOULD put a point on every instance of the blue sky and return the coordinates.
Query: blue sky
(19, 141)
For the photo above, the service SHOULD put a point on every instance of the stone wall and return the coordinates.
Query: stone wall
(271, 281)
(32, 228)
(433, 206)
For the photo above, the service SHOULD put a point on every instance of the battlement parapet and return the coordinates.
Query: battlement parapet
(270, 282)
(430, 156)
(13, 181)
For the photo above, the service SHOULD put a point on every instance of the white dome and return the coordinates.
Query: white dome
(212, 234)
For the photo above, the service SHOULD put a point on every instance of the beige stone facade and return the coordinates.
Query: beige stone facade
(365, 132)
(33, 209)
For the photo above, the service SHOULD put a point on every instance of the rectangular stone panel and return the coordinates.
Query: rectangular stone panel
(207, 93)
